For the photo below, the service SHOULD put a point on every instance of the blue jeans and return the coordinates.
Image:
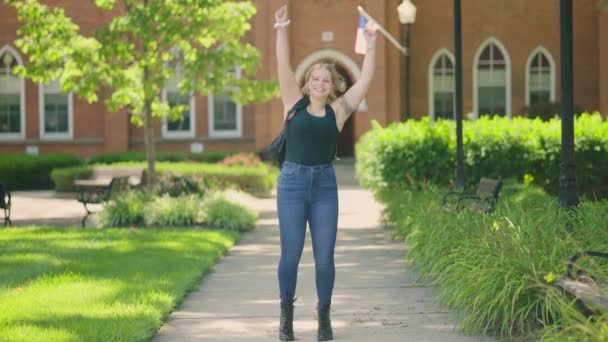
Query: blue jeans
(307, 194)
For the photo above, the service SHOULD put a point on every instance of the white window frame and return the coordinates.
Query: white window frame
(549, 57)
(431, 89)
(236, 133)
(501, 47)
(21, 134)
(191, 133)
(41, 111)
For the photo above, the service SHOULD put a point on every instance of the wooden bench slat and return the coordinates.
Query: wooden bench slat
(589, 293)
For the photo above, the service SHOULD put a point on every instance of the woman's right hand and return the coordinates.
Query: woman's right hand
(280, 16)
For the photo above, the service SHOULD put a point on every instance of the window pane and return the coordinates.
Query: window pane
(444, 105)
(540, 97)
(492, 100)
(56, 113)
(492, 78)
(540, 79)
(183, 124)
(10, 113)
(224, 115)
(443, 88)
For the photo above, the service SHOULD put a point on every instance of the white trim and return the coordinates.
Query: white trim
(339, 57)
(41, 114)
(191, 133)
(482, 46)
(551, 73)
(236, 133)
(21, 134)
(431, 94)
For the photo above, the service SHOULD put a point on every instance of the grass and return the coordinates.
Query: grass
(99, 285)
(499, 270)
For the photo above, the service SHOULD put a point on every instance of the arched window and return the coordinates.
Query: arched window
(540, 77)
(441, 85)
(492, 80)
(12, 114)
(184, 127)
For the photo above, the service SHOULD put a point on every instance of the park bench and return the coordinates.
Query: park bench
(104, 182)
(5, 205)
(590, 293)
(483, 200)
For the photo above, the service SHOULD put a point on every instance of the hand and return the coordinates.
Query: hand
(281, 16)
(369, 32)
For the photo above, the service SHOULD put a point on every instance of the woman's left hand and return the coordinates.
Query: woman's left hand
(370, 33)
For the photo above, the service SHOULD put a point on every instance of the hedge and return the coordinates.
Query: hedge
(26, 172)
(137, 156)
(418, 151)
(258, 180)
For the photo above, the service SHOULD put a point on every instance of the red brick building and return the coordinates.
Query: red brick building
(510, 59)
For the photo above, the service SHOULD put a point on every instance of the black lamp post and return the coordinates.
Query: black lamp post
(458, 96)
(567, 174)
(407, 16)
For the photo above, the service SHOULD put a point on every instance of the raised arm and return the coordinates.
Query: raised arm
(346, 104)
(290, 92)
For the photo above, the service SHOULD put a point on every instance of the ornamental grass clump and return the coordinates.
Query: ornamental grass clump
(174, 211)
(126, 209)
(500, 270)
(224, 214)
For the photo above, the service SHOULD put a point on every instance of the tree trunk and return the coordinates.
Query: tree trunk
(150, 146)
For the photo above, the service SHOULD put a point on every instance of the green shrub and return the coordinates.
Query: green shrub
(221, 213)
(64, 178)
(405, 154)
(408, 155)
(139, 156)
(174, 186)
(174, 211)
(27, 172)
(126, 209)
(178, 178)
(257, 180)
(139, 208)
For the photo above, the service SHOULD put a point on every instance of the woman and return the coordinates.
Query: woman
(307, 190)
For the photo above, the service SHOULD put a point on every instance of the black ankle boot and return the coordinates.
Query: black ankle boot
(325, 332)
(286, 323)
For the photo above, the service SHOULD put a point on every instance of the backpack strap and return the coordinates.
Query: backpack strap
(302, 103)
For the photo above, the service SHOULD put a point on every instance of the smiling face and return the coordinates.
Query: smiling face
(320, 83)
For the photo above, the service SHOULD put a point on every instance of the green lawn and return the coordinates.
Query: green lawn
(99, 285)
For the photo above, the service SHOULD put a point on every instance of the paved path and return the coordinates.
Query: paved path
(376, 297)
(47, 208)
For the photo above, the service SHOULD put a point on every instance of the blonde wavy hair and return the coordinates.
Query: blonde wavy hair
(339, 85)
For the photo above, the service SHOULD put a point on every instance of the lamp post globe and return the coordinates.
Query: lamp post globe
(407, 16)
(407, 12)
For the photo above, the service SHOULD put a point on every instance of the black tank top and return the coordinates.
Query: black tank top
(311, 140)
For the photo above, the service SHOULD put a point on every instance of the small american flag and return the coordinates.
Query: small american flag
(360, 43)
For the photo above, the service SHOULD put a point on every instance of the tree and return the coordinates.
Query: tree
(134, 55)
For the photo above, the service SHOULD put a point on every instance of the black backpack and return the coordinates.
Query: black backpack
(278, 147)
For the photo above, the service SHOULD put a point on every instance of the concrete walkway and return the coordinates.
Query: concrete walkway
(376, 297)
(48, 208)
